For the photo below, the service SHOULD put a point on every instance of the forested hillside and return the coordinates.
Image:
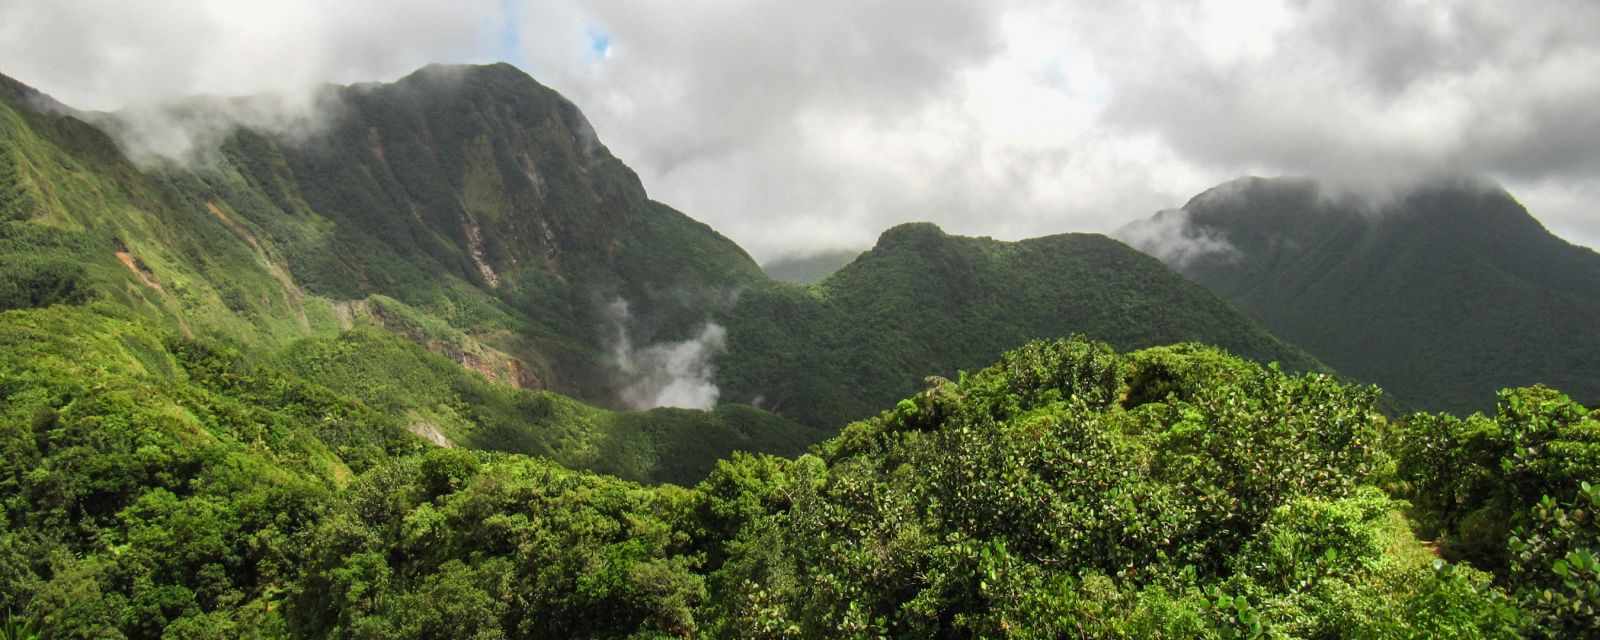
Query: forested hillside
(923, 302)
(1441, 295)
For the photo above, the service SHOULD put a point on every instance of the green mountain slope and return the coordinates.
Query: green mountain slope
(924, 303)
(472, 194)
(1441, 296)
(447, 405)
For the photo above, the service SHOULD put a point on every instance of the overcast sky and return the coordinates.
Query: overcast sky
(789, 125)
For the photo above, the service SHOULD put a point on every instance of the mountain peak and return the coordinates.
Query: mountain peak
(1252, 187)
(502, 72)
(910, 233)
(1469, 211)
(494, 95)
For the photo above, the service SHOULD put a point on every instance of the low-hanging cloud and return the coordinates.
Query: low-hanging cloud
(667, 374)
(1172, 237)
(190, 133)
(170, 81)
(1374, 96)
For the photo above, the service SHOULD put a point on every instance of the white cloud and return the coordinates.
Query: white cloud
(1170, 236)
(790, 125)
(107, 55)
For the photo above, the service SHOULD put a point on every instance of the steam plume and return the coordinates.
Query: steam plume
(667, 374)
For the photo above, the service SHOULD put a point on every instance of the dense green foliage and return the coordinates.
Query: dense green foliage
(923, 302)
(1441, 295)
(147, 480)
(1518, 494)
(156, 483)
(1069, 491)
(169, 490)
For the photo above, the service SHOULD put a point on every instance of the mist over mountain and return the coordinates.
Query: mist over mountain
(809, 268)
(1440, 293)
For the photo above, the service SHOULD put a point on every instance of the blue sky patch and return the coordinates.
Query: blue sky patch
(599, 43)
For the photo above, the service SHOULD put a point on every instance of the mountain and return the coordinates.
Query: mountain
(472, 194)
(923, 302)
(1440, 295)
(809, 268)
(466, 212)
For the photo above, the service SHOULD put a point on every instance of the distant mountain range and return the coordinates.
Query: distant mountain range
(1441, 294)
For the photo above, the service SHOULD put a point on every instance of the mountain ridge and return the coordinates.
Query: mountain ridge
(922, 302)
(479, 198)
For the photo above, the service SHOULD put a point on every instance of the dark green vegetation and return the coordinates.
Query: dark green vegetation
(923, 302)
(1518, 494)
(809, 269)
(472, 195)
(166, 490)
(1442, 296)
(151, 479)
